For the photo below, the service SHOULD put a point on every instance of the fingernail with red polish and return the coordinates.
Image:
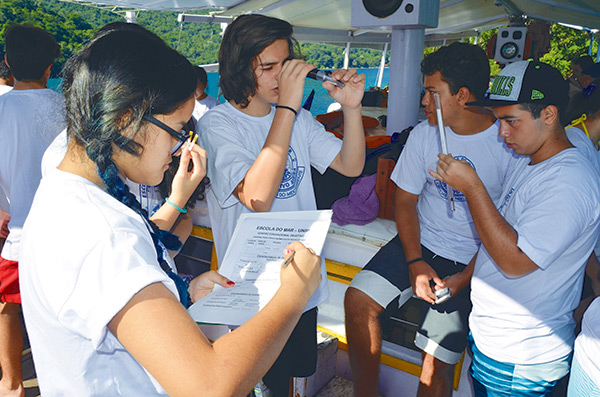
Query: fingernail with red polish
(231, 283)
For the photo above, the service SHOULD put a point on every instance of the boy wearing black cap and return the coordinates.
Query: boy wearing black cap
(527, 275)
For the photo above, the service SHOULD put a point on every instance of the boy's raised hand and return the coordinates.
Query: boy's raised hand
(350, 96)
(291, 82)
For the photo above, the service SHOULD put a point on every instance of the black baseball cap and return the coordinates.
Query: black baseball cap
(527, 82)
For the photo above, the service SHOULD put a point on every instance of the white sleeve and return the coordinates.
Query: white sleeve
(323, 145)
(547, 226)
(118, 267)
(409, 174)
(228, 158)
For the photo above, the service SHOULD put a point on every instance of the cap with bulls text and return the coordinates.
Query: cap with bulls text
(527, 82)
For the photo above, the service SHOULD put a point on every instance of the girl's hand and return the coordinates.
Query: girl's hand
(303, 271)
(185, 182)
(204, 283)
(350, 96)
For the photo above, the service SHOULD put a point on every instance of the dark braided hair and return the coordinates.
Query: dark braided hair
(120, 75)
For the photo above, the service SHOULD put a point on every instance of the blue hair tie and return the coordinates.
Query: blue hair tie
(589, 90)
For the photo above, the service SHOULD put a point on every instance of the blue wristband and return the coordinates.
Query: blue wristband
(182, 210)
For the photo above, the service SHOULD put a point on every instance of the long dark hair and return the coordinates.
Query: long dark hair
(120, 75)
(242, 42)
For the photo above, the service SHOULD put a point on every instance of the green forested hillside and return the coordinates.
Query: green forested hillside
(72, 24)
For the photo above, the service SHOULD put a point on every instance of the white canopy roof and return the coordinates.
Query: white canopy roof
(329, 20)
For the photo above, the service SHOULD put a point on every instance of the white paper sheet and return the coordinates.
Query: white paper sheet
(253, 261)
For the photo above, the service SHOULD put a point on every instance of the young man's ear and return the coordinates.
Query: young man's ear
(46, 75)
(464, 95)
(549, 114)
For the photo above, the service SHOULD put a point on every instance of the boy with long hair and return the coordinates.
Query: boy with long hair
(260, 145)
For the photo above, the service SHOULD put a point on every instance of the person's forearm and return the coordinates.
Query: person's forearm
(466, 275)
(352, 154)
(182, 229)
(259, 187)
(166, 216)
(229, 367)
(497, 236)
(592, 269)
(407, 224)
(268, 331)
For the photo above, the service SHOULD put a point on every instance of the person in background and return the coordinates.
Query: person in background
(579, 79)
(6, 77)
(527, 276)
(108, 304)
(433, 242)
(204, 102)
(260, 145)
(6, 84)
(583, 113)
(32, 115)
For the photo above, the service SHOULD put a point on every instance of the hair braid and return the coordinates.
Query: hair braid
(119, 190)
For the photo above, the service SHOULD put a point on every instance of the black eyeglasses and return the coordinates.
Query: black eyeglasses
(181, 136)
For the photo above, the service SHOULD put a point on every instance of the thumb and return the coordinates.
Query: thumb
(217, 278)
(438, 281)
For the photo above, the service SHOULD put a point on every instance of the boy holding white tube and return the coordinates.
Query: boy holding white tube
(433, 241)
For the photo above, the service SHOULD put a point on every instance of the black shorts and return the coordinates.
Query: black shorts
(443, 328)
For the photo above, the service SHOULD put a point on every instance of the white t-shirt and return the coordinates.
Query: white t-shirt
(233, 140)
(578, 139)
(553, 207)
(148, 196)
(30, 119)
(451, 235)
(587, 344)
(84, 255)
(4, 89)
(204, 106)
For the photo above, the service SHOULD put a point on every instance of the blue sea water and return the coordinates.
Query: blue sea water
(321, 100)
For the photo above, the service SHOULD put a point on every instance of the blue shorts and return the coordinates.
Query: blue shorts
(493, 378)
(443, 328)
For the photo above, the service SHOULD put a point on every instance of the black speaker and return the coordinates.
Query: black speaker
(390, 13)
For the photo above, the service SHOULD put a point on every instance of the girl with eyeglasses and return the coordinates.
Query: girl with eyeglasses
(102, 309)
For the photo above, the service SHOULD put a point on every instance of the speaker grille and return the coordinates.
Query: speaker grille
(382, 8)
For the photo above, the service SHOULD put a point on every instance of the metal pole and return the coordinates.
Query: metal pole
(347, 56)
(382, 65)
(130, 17)
(405, 78)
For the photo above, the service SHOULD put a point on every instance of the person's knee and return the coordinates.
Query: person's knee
(433, 368)
(358, 305)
